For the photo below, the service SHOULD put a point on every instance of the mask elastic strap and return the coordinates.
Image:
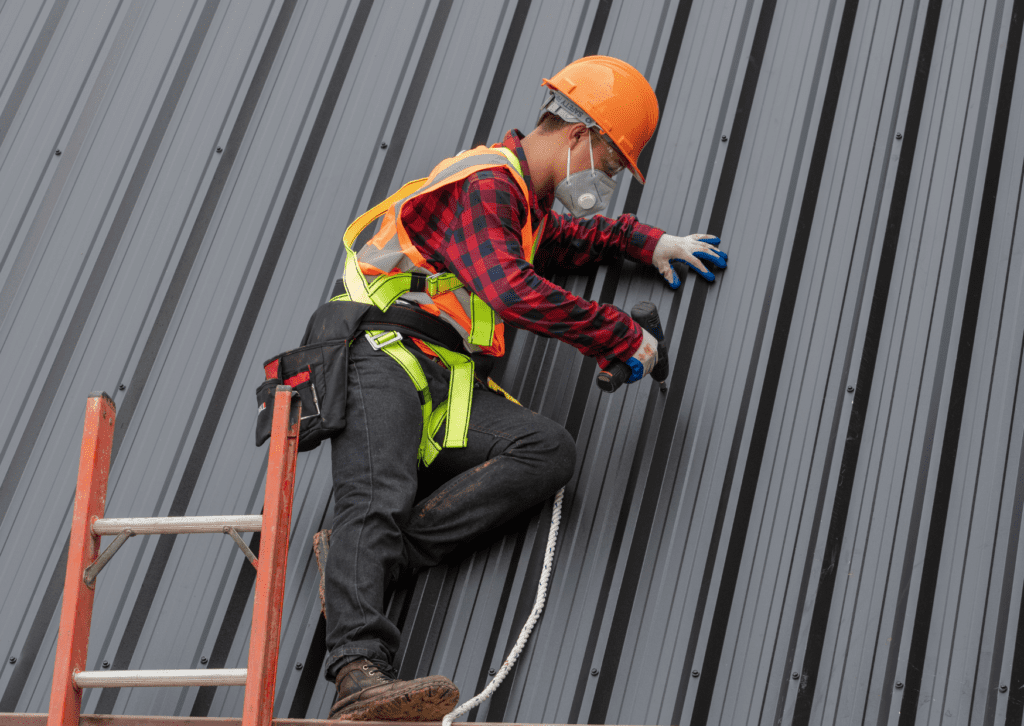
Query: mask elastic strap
(591, 145)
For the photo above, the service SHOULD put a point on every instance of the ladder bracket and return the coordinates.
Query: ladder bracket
(89, 576)
(230, 531)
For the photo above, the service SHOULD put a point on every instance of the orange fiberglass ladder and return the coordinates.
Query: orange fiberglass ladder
(85, 562)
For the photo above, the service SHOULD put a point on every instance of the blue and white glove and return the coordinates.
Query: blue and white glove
(644, 357)
(691, 250)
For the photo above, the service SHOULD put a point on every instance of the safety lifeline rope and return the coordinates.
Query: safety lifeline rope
(538, 608)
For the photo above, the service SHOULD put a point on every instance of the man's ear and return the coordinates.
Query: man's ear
(577, 132)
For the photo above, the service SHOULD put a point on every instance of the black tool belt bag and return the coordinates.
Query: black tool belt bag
(318, 370)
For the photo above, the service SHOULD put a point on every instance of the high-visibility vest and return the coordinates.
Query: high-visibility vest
(390, 267)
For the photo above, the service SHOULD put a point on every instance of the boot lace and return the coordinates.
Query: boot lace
(377, 673)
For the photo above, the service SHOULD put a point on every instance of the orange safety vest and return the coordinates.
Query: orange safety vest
(391, 252)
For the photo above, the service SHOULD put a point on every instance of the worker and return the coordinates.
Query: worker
(431, 458)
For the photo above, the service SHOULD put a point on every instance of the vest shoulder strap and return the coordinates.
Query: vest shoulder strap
(366, 218)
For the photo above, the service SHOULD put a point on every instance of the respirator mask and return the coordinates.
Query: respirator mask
(585, 192)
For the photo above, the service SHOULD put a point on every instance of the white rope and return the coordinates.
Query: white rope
(538, 608)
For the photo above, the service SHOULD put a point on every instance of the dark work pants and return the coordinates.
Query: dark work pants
(390, 515)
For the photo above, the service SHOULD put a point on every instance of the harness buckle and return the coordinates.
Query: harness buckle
(433, 283)
(378, 341)
(442, 282)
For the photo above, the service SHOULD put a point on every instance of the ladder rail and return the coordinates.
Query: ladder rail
(268, 601)
(83, 548)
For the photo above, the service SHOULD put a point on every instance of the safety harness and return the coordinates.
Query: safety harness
(383, 290)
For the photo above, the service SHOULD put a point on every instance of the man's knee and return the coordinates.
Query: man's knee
(556, 460)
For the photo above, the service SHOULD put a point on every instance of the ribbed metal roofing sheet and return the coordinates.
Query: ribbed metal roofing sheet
(819, 522)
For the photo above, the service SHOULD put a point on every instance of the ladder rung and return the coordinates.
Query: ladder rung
(125, 679)
(179, 525)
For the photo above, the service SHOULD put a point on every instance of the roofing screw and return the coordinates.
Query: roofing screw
(106, 664)
(491, 671)
(13, 660)
(121, 386)
(695, 674)
(899, 136)
(298, 666)
(1002, 688)
(219, 149)
(725, 138)
(593, 671)
(796, 676)
(384, 145)
(203, 660)
(899, 684)
(849, 389)
(57, 152)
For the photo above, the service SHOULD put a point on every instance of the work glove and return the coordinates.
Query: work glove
(644, 357)
(691, 250)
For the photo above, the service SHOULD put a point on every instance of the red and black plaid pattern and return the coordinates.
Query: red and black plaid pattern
(473, 230)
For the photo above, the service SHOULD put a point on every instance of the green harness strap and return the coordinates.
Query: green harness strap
(460, 384)
(383, 291)
(460, 392)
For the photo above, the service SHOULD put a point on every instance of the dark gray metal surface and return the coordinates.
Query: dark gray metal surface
(818, 523)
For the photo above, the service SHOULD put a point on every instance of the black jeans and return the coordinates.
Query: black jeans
(390, 515)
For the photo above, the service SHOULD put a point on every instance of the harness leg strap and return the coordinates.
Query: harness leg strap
(390, 342)
(460, 395)
(455, 410)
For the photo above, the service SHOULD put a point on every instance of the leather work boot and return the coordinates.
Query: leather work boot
(366, 694)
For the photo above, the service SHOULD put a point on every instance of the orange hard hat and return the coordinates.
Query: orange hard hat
(616, 96)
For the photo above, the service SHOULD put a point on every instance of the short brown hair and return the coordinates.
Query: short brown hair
(549, 123)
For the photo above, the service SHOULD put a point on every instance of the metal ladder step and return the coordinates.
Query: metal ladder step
(184, 677)
(179, 525)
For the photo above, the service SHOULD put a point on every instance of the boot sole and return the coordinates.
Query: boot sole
(430, 701)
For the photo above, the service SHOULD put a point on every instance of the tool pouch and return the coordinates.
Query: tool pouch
(318, 373)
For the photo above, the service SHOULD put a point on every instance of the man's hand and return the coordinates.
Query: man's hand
(691, 250)
(644, 357)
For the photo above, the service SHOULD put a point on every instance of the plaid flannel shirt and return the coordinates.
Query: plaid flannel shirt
(473, 230)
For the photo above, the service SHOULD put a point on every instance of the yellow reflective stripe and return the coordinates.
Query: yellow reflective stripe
(454, 411)
(481, 331)
(428, 450)
(363, 220)
(460, 395)
(355, 283)
(437, 418)
(460, 398)
(382, 292)
(403, 358)
(512, 158)
(343, 297)
(385, 289)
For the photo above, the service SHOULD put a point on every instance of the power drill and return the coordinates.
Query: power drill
(646, 314)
